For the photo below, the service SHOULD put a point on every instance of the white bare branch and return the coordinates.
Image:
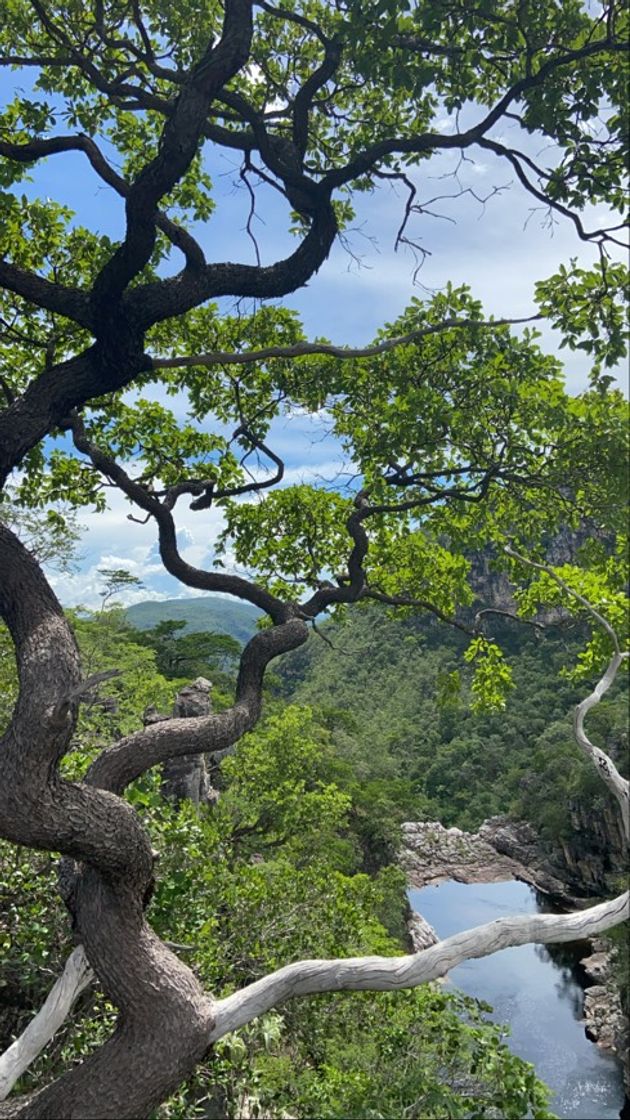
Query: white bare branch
(75, 977)
(386, 974)
(608, 772)
(310, 977)
(599, 618)
(303, 349)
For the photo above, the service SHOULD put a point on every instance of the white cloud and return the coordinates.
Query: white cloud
(111, 540)
(85, 589)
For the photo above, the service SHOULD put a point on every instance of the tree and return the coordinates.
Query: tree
(459, 431)
(116, 580)
(51, 536)
(190, 654)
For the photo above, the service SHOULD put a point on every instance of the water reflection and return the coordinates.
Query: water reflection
(536, 990)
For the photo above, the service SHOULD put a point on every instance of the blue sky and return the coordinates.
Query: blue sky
(499, 250)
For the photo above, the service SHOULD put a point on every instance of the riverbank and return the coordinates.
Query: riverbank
(604, 1020)
(500, 851)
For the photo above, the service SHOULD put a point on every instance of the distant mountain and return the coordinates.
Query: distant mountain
(208, 612)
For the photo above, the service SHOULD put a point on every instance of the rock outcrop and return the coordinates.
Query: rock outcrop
(421, 934)
(594, 855)
(604, 1020)
(432, 853)
(518, 841)
(185, 778)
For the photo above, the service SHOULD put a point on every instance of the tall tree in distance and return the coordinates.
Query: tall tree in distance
(459, 431)
(188, 654)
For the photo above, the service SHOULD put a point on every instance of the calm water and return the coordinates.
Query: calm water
(536, 993)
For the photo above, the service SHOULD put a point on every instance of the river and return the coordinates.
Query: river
(535, 992)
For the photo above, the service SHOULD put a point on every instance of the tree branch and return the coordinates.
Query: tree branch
(151, 303)
(418, 604)
(69, 302)
(387, 974)
(353, 587)
(169, 552)
(608, 772)
(75, 978)
(430, 141)
(514, 158)
(599, 618)
(132, 756)
(39, 149)
(103, 367)
(303, 101)
(506, 614)
(304, 349)
(606, 768)
(211, 494)
(179, 142)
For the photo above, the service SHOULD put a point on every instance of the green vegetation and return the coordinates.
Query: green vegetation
(207, 612)
(271, 873)
(398, 702)
(295, 860)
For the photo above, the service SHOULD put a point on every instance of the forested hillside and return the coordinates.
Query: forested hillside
(207, 612)
(395, 694)
(272, 869)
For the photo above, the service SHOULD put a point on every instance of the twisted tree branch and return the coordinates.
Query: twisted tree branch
(169, 552)
(34, 150)
(388, 974)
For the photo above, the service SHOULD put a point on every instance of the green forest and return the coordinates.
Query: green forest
(296, 858)
(314, 454)
(428, 751)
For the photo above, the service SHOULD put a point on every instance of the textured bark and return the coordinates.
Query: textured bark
(165, 1019)
(162, 1031)
(164, 1014)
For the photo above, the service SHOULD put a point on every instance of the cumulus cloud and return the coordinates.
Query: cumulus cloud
(110, 540)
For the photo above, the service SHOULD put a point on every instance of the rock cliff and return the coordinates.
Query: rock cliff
(498, 851)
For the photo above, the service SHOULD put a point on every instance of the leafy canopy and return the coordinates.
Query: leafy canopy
(458, 437)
